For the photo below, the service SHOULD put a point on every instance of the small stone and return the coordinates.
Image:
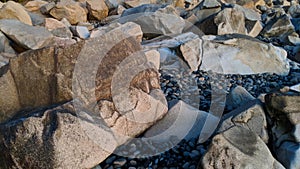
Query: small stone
(186, 165)
(194, 154)
(110, 159)
(80, 31)
(211, 4)
(45, 9)
(119, 162)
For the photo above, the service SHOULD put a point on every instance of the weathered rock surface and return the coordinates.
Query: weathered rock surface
(284, 111)
(52, 138)
(279, 28)
(13, 10)
(192, 53)
(44, 77)
(70, 10)
(155, 19)
(9, 100)
(97, 9)
(237, 54)
(130, 28)
(26, 36)
(230, 20)
(238, 148)
(250, 116)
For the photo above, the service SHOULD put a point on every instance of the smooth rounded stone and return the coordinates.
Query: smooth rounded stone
(194, 154)
(13, 10)
(133, 162)
(186, 165)
(131, 168)
(119, 162)
(110, 160)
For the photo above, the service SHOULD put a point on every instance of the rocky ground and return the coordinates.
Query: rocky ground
(151, 84)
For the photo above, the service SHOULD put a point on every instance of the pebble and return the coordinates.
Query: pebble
(110, 160)
(120, 162)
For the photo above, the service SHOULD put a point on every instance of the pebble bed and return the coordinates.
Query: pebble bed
(187, 154)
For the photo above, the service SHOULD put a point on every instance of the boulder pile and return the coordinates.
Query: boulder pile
(106, 84)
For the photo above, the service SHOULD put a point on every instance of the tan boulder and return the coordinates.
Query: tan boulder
(70, 10)
(13, 10)
(34, 5)
(97, 9)
(51, 24)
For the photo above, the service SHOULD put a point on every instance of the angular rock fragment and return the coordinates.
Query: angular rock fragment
(192, 53)
(237, 97)
(70, 10)
(26, 36)
(97, 9)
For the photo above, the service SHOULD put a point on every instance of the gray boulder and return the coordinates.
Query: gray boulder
(155, 19)
(26, 36)
(238, 148)
(240, 54)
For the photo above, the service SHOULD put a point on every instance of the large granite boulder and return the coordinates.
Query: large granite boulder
(238, 148)
(46, 76)
(239, 54)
